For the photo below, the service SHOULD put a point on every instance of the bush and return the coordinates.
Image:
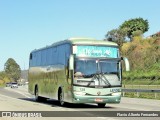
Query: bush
(144, 58)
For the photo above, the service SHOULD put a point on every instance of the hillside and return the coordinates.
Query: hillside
(144, 57)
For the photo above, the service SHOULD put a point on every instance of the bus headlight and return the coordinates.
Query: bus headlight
(116, 94)
(79, 93)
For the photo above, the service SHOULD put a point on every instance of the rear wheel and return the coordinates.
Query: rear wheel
(101, 105)
(61, 97)
(37, 97)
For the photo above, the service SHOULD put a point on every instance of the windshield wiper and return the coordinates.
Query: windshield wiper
(93, 78)
(106, 81)
(99, 77)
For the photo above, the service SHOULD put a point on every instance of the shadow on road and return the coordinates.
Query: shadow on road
(55, 103)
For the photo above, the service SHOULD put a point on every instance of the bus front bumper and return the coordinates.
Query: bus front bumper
(96, 99)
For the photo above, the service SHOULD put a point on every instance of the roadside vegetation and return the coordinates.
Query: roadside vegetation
(144, 57)
(11, 72)
(143, 53)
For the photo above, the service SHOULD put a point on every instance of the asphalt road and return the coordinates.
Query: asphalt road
(18, 99)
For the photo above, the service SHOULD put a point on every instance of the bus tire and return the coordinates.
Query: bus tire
(37, 97)
(101, 105)
(61, 97)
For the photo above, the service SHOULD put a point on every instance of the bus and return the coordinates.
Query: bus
(77, 70)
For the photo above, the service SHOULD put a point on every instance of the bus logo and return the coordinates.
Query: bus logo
(98, 93)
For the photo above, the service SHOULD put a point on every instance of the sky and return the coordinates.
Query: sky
(26, 25)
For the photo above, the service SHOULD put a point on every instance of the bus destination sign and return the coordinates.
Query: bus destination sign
(95, 51)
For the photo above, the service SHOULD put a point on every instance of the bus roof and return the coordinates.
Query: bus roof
(91, 41)
(81, 41)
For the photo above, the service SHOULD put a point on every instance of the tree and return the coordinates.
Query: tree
(2, 75)
(117, 35)
(12, 69)
(134, 25)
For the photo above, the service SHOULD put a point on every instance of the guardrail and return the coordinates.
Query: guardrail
(140, 90)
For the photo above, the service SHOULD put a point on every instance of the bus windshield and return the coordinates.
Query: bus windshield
(88, 68)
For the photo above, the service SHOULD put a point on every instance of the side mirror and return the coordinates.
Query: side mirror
(71, 62)
(126, 63)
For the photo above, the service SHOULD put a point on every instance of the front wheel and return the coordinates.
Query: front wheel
(101, 105)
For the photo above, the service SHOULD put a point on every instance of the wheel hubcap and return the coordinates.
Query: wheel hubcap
(61, 98)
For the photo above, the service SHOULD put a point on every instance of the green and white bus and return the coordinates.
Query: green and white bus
(77, 70)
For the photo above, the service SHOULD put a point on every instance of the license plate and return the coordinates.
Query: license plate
(99, 100)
